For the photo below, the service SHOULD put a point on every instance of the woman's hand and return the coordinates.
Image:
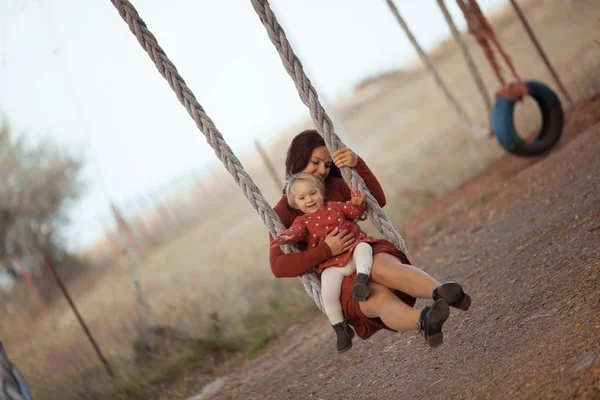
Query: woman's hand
(339, 241)
(357, 198)
(280, 240)
(345, 158)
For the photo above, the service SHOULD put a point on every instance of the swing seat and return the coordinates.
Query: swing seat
(552, 122)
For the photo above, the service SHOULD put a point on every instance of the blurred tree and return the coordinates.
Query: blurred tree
(37, 183)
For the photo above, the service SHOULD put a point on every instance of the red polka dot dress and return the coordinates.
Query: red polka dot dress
(313, 228)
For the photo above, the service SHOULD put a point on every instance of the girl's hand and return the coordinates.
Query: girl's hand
(280, 240)
(339, 241)
(345, 158)
(357, 198)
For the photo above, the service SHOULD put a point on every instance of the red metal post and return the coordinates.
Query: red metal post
(31, 285)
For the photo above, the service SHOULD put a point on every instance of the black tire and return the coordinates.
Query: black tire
(552, 122)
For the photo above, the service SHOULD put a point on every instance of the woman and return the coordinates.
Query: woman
(394, 282)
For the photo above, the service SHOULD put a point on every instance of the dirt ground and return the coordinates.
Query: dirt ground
(524, 239)
(480, 233)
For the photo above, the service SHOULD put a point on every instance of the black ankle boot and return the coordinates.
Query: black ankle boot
(453, 293)
(360, 290)
(344, 336)
(431, 320)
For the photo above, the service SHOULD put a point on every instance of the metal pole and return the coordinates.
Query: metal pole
(540, 50)
(269, 165)
(126, 245)
(64, 291)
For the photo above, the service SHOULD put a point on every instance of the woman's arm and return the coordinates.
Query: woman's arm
(370, 180)
(372, 183)
(295, 264)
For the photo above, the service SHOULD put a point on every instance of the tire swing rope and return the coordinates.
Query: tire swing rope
(510, 92)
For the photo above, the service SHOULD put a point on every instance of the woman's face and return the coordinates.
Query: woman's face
(319, 163)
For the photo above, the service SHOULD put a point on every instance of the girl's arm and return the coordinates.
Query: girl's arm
(351, 211)
(296, 233)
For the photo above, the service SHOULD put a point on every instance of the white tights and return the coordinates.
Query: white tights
(332, 277)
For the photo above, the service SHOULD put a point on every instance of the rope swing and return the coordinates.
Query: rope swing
(477, 25)
(215, 139)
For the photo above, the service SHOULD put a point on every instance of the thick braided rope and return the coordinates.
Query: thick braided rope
(11, 381)
(213, 136)
(324, 126)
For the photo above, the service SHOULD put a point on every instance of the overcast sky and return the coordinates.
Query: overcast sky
(72, 70)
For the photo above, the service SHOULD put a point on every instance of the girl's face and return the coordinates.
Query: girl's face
(319, 163)
(307, 197)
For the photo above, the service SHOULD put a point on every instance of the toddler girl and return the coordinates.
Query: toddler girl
(305, 192)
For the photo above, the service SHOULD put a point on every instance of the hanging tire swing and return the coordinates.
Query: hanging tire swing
(502, 122)
(552, 121)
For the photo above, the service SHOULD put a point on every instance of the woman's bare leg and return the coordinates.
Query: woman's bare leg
(393, 312)
(390, 272)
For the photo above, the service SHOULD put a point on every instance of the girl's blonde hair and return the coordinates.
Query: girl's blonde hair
(302, 176)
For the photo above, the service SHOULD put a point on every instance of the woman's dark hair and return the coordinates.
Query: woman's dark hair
(300, 150)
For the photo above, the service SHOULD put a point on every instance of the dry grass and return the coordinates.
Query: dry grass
(399, 124)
